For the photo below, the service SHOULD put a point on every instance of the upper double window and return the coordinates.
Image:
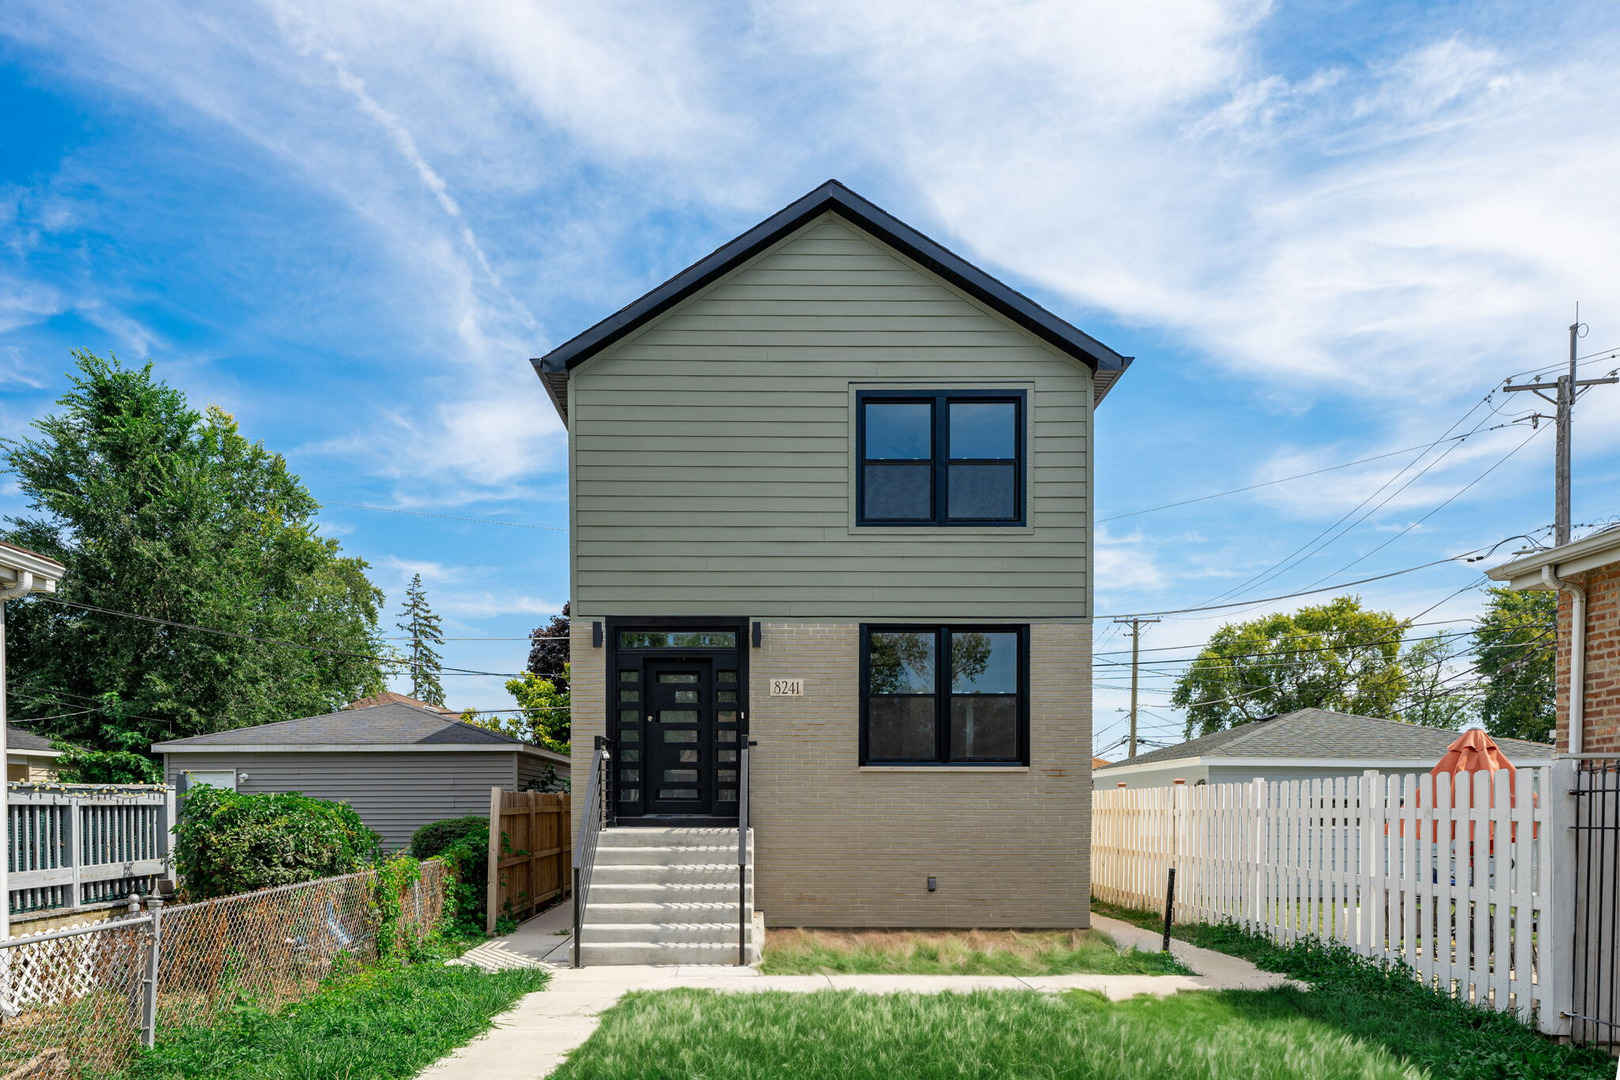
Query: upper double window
(940, 458)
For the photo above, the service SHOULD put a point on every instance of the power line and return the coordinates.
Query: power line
(1453, 498)
(263, 640)
(1280, 480)
(1291, 596)
(1328, 535)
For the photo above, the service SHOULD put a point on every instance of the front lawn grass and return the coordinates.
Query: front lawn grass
(1228, 1035)
(967, 952)
(1386, 1005)
(385, 1023)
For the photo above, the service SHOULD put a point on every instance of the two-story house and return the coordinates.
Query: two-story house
(831, 496)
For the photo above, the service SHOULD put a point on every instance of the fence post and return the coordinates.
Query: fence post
(166, 824)
(1169, 906)
(1372, 892)
(1555, 937)
(493, 880)
(1257, 875)
(74, 821)
(154, 955)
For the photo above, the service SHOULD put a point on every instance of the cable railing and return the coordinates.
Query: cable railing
(596, 815)
(742, 858)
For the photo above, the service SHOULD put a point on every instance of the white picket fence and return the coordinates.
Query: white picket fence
(1384, 864)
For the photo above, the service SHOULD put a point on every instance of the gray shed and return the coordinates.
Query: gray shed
(400, 764)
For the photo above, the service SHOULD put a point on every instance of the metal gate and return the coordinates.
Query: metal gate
(1595, 1006)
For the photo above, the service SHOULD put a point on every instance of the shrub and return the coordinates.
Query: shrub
(463, 843)
(437, 837)
(228, 842)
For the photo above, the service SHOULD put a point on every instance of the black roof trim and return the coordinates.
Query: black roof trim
(1107, 364)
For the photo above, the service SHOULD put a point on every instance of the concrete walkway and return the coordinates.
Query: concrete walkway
(531, 1040)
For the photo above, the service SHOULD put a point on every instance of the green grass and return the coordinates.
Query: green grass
(1386, 1005)
(1000, 1034)
(381, 1024)
(971, 952)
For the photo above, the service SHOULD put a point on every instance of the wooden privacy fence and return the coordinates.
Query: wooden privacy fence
(1456, 880)
(530, 852)
(76, 845)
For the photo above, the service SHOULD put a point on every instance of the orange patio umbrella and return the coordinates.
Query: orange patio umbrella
(1473, 752)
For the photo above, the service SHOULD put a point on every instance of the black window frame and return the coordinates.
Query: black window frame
(942, 693)
(939, 463)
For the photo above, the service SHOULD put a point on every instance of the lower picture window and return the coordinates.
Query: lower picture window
(942, 695)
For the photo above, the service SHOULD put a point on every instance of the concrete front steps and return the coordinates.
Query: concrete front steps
(667, 896)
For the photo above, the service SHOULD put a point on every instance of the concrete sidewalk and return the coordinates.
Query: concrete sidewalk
(531, 1040)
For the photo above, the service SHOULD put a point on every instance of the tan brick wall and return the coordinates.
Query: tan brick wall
(839, 846)
(1601, 732)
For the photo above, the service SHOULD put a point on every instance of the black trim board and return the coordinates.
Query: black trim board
(1106, 364)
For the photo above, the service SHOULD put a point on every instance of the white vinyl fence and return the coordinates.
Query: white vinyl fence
(1454, 881)
(83, 845)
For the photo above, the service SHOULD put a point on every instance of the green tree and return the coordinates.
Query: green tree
(1433, 697)
(1515, 643)
(422, 627)
(170, 514)
(545, 716)
(1336, 656)
(548, 649)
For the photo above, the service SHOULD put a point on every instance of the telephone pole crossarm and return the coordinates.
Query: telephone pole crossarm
(1566, 389)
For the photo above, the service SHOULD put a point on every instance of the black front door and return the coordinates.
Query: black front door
(679, 729)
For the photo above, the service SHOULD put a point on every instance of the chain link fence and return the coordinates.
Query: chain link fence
(79, 1002)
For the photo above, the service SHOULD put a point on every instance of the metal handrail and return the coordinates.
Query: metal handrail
(742, 857)
(592, 820)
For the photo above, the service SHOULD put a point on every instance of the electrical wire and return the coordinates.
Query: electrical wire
(1280, 480)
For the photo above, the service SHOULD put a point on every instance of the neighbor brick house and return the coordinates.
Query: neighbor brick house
(830, 494)
(1586, 574)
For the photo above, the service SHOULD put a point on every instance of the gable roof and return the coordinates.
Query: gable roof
(19, 741)
(1106, 364)
(390, 726)
(1321, 733)
(390, 697)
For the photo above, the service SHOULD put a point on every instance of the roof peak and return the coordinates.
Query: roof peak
(831, 196)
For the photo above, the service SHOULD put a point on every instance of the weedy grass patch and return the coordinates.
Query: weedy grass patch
(966, 952)
(385, 1023)
(1000, 1034)
(1385, 1004)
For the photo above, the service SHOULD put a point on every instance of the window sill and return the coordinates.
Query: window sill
(946, 768)
(942, 530)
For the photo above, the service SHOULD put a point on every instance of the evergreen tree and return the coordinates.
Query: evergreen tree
(162, 512)
(422, 626)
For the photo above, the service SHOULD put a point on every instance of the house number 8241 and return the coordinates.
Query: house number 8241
(787, 688)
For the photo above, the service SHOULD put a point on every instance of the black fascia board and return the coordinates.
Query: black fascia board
(833, 196)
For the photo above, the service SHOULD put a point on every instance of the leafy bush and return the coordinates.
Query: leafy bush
(228, 842)
(437, 837)
(463, 843)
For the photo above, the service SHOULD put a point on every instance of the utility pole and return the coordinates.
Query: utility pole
(1136, 651)
(1566, 389)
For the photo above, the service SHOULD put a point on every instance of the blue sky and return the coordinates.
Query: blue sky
(1326, 230)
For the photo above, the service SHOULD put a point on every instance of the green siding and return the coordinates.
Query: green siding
(711, 453)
